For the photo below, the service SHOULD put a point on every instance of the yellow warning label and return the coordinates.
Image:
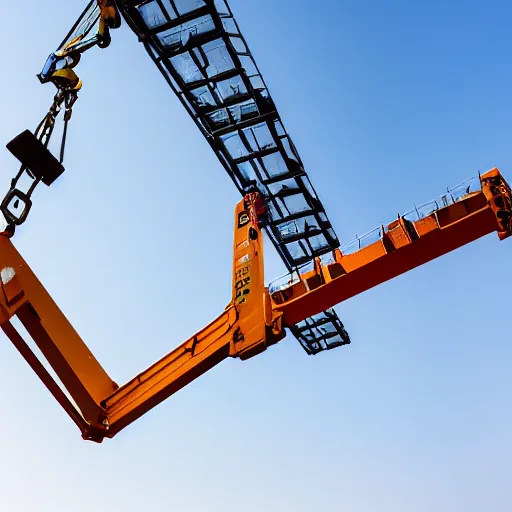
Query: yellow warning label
(242, 284)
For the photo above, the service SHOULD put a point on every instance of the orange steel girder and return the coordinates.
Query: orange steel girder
(249, 324)
(403, 246)
(245, 328)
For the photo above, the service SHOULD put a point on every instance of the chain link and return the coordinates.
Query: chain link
(63, 99)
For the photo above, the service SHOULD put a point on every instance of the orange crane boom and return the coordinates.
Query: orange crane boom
(403, 245)
(255, 318)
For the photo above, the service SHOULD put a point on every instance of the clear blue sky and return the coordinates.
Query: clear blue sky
(388, 103)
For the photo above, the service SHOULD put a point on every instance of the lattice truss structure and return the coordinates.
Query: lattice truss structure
(198, 47)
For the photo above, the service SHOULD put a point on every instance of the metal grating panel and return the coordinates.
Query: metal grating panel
(198, 47)
(324, 331)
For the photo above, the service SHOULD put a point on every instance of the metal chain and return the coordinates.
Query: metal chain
(58, 69)
(69, 101)
(62, 99)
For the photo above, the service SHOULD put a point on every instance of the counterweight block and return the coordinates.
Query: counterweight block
(36, 157)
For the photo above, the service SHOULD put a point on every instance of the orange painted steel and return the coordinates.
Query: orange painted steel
(244, 329)
(251, 322)
(403, 246)
(23, 295)
(183, 365)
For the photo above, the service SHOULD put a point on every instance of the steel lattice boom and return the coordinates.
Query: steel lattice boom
(199, 49)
